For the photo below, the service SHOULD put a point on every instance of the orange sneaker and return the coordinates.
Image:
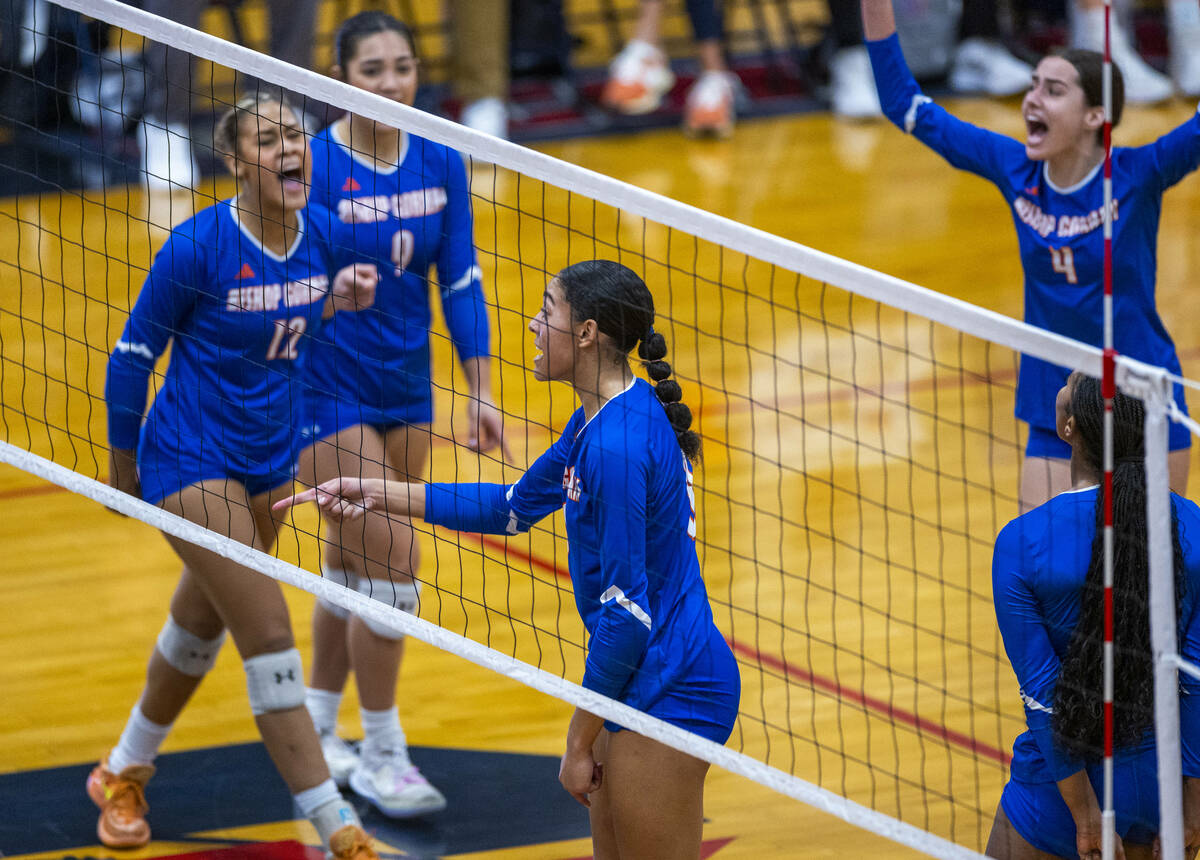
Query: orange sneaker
(638, 78)
(351, 843)
(710, 105)
(122, 801)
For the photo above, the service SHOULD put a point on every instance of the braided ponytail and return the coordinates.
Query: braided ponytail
(652, 350)
(620, 303)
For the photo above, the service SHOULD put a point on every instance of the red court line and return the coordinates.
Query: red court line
(790, 672)
(779, 664)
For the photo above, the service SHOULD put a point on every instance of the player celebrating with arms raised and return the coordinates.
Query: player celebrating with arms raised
(237, 289)
(622, 471)
(1054, 185)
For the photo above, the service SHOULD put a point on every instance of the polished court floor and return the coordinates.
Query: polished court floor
(858, 463)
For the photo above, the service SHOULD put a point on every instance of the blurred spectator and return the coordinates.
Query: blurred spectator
(1143, 83)
(979, 63)
(163, 135)
(480, 32)
(640, 75)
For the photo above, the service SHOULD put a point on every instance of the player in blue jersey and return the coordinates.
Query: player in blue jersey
(622, 471)
(1048, 584)
(237, 290)
(402, 202)
(1054, 185)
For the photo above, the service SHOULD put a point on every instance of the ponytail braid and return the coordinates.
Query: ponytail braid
(652, 350)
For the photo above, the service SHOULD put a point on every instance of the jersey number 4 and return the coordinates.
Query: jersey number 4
(1063, 260)
(286, 339)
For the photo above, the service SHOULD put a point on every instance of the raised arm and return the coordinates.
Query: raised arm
(879, 21)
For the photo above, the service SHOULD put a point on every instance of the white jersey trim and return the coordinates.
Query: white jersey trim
(1071, 189)
(636, 611)
(470, 276)
(335, 134)
(910, 118)
(632, 383)
(1033, 704)
(237, 219)
(136, 348)
(514, 527)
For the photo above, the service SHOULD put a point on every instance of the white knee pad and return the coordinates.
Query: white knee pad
(405, 596)
(275, 681)
(187, 652)
(341, 577)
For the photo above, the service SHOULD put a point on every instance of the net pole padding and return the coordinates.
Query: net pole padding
(1155, 389)
(454, 643)
(732, 235)
(1109, 390)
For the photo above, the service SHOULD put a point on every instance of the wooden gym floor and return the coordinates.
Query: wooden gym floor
(858, 464)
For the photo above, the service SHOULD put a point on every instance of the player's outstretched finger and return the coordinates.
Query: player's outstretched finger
(309, 495)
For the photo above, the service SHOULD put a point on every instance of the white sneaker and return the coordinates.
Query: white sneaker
(1184, 33)
(1143, 85)
(986, 66)
(395, 786)
(710, 105)
(340, 757)
(638, 78)
(167, 160)
(852, 84)
(488, 115)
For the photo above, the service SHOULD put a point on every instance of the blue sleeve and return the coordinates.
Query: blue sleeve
(618, 484)
(1028, 646)
(166, 298)
(459, 275)
(496, 508)
(965, 146)
(1174, 155)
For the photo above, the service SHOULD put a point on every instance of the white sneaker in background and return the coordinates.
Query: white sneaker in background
(1183, 30)
(488, 115)
(1143, 84)
(340, 757)
(395, 786)
(167, 160)
(985, 66)
(852, 84)
(638, 78)
(710, 109)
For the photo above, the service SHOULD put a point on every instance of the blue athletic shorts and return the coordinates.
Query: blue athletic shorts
(1038, 812)
(1044, 442)
(169, 461)
(329, 415)
(706, 700)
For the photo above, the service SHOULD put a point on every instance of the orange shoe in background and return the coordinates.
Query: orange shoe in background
(122, 802)
(710, 105)
(638, 78)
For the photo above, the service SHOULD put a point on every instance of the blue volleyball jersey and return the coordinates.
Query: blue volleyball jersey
(630, 515)
(1038, 570)
(1060, 230)
(404, 219)
(239, 319)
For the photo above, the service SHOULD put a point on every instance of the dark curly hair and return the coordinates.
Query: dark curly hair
(1078, 719)
(620, 303)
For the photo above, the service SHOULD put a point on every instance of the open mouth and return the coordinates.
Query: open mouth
(293, 178)
(1035, 131)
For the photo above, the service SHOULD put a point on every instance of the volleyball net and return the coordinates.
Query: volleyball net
(860, 456)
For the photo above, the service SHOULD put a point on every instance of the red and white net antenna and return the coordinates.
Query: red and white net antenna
(1109, 389)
